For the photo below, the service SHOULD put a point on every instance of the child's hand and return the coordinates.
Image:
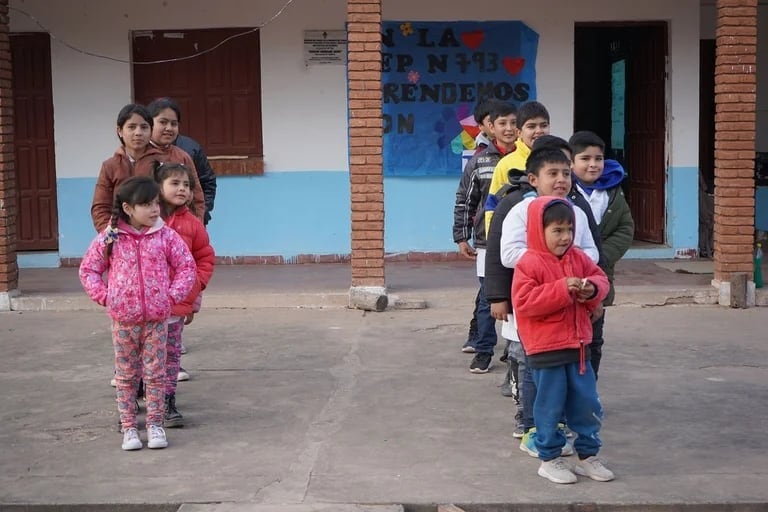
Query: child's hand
(188, 319)
(574, 284)
(467, 251)
(500, 310)
(586, 292)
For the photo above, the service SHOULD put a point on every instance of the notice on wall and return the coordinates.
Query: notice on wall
(325, 47)
(433, 75)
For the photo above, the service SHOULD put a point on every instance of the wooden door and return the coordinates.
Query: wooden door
(37, 225)
(646, 130)
(219, 93)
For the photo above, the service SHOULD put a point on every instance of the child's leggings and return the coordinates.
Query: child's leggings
(140, 350)
(173, 361)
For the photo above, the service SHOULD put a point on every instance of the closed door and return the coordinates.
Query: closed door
(37, 219)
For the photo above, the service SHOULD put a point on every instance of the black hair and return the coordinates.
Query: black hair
(135, 190)
(501, 109)
(558, 211)
(127, 111)
(483, 109)
(530, 110)
(552, 141)
(161, 171)
(160, 104)
(584, 139)
(545, 155)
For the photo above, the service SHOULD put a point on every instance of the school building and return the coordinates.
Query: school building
(328, 151)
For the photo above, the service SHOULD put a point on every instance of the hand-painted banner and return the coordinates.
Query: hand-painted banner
(433, 74)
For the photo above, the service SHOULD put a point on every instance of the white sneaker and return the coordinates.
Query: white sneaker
(557, 471)
(594, 469)
(183, 349)
(182, 376)
(113, 382)
(131, 440)
(157, 437)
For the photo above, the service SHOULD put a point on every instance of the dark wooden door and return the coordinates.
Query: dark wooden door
(707, 112)
(219, 93)
(646, 130)
(37, 226)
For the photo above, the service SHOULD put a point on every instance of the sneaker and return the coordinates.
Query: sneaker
(594, 469)
(183, 349)
(131, 440)
(156, 436)
(182, 376)
(173, 418)
(113, 382)
(481, 363)
(519, 431)
(557, 471)
(468, 347)
(528, 445)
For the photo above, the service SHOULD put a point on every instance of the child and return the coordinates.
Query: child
(548, 171)
(139, 253)
(135, 157)
(532, 123)
(176, 195)
(468, 219)
(554, 289)
(598, 181)
(168, 127)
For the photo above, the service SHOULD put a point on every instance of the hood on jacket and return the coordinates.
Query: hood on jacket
(612, 176)
(124, 227)
(535, 227)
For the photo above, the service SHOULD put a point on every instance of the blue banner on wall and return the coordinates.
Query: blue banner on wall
(433, 74)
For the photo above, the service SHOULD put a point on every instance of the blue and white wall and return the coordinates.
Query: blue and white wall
(301, 204)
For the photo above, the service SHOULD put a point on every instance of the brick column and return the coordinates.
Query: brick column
(9, 272)
(365, 142)
(735, 95)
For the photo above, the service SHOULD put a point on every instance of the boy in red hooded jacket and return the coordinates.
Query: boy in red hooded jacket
(555, 288)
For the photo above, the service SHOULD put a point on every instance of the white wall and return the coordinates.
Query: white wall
(309, 105)
(298, 103)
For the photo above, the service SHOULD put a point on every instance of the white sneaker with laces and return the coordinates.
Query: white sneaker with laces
(557, 471)
(131, 440)
(593, 468)
(157, 437)
(182, 376)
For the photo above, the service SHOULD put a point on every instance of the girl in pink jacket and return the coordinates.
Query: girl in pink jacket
(149, 270)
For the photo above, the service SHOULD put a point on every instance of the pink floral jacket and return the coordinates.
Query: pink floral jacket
(139, 286)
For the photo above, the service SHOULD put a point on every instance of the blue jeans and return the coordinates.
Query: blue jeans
(486, 324)
(562, 390)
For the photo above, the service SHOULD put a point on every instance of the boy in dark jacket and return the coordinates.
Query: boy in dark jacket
(554, 291)
(468, 221)
(598, 182)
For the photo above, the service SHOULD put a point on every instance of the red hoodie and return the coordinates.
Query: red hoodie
(549, 318)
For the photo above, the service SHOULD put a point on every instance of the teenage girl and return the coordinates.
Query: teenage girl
(150, 269)
(175, 181)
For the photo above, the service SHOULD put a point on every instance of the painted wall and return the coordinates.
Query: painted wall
(301, 205)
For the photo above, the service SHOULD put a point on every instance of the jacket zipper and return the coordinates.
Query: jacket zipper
(141, 280)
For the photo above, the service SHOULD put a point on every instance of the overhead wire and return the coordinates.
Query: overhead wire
(162, 61)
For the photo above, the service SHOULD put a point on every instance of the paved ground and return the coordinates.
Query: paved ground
(318, 406)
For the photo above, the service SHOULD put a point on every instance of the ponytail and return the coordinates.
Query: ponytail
(110, 236)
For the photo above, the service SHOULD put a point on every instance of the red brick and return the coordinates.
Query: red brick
(736, 59)
(734, 201)
(736, 30)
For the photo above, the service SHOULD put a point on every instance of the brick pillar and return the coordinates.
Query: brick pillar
(9, 272)
(365, 142)
(735, 95)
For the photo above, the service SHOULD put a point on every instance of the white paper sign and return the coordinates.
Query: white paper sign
(325, 47)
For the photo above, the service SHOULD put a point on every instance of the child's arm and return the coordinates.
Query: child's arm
(595, 285)
(92, 268)
(183, 264)
(463, 213)
(514, 237)
(532, 296)
(204, 255)
(584, 240)
(616, 243)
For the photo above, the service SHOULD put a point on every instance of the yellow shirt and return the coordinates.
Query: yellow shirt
(514, 160)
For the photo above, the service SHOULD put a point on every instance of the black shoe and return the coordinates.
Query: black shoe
(173, 418)
(481, 363)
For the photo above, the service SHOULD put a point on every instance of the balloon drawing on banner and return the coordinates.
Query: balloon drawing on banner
(433, 75)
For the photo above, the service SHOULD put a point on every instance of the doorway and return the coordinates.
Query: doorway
(619, 93)
(37, 227)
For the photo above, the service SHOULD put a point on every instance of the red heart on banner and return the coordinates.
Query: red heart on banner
(474, 39)
(513, 65)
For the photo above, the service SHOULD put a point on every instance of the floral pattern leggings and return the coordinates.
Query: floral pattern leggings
(140, 349)
(173, 359)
